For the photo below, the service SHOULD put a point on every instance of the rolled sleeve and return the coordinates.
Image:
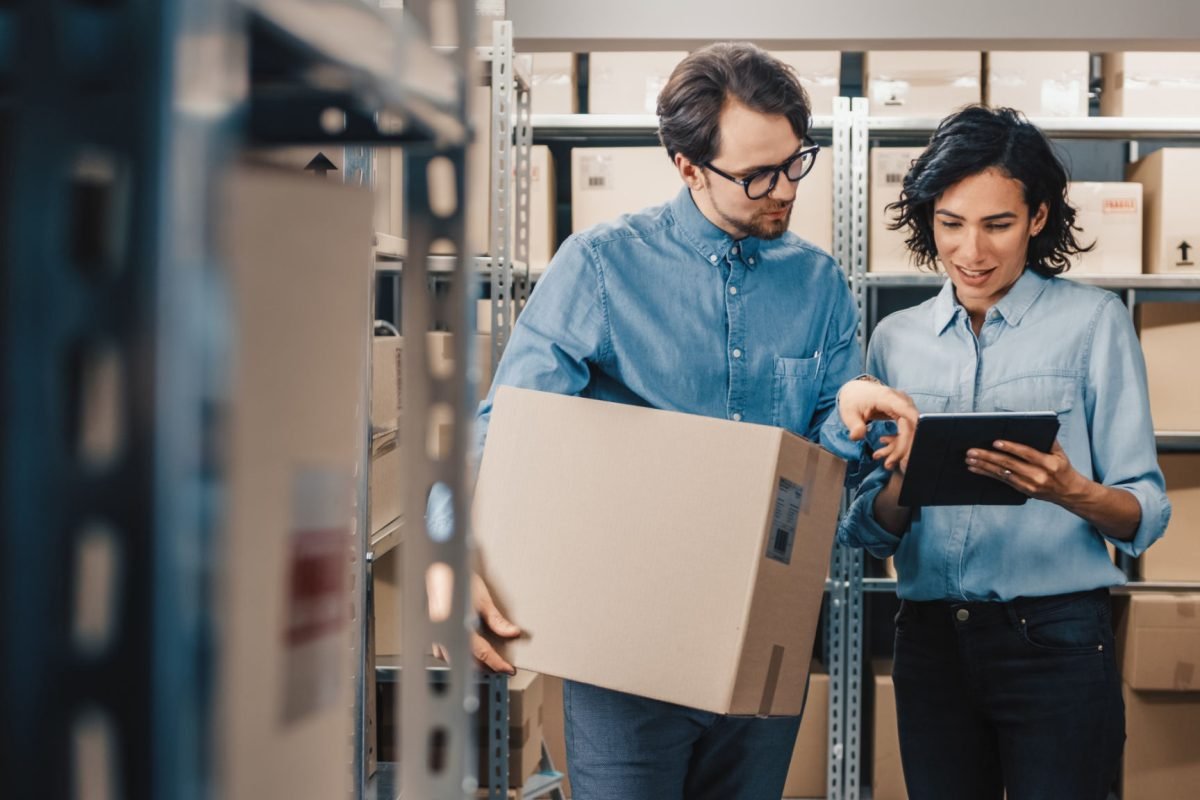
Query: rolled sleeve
(859, 527)
(1124, 454)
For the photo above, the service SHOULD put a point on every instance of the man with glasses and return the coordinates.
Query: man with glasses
(706, 305)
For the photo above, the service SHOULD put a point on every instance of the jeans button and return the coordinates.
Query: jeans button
(962, 615)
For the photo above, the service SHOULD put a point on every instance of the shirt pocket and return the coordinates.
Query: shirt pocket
(794, 392)
(928, 402)
(1046, 392)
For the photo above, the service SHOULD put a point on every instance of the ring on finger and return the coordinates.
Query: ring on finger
(1008, 473)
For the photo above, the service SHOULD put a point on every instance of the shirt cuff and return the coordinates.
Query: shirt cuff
(859, 528)
(1156, 513)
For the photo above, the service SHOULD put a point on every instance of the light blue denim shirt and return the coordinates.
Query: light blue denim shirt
(1049, 345)
(664, 309)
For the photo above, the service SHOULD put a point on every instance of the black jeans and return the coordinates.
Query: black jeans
(1022, 697)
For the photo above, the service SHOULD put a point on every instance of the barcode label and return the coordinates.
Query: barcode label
(789, 499)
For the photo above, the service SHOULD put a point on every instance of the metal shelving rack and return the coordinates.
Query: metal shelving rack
(1133, 289)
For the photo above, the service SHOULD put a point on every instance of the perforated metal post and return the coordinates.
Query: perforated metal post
(500, 245)
(520, 199)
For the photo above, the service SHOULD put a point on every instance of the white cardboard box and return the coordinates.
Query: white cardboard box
(886, 249)
(1151, 85)
(820, 71)
(1039, 84)
(1110, 215)
(554, 80)
(607, 182)
(628, 83)
(1171, 189)
(922, 84)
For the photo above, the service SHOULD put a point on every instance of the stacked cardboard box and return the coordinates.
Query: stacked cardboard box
(1170, 181)
(1170, 336)
(924, 84)
(1151, 85)
(628, 83)
(886, 249)
(1110, 216)
(1039, 84)
(569, 487)
(1159, 652)
(554, 89)
(820, 72)
(808, 770)
(1176, 557)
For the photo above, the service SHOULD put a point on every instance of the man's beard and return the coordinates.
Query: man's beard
(759, 226)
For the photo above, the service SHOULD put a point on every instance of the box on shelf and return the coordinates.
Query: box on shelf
(921, 84)
(812, 211)
(297, 248)
(1150, 85)
(1171, 188)
(1110, 216)
(1039, 84)
(1158, 641)
(385, 383)
(886, 249)
(820, 71)
(607, 182)
(1170, 336)
(388, 579)
(526, 693)
(554, 84)
(570, 487)
(543, 200)
(628, 83)
(478, 201)
(1176, 556)
(808, 771)
(887, 773)
(386, 496)
(1162, 745)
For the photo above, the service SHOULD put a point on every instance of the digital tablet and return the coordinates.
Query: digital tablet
(937, 465)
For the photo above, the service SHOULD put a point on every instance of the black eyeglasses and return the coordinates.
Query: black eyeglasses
(758, 185)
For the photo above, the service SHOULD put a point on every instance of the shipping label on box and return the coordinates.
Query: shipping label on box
(658, 524)
(607, 182)
(1109, 215)
(1158, 641)
(887, 251)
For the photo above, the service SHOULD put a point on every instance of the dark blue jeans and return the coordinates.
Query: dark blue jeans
(622, 747)
(1022, 697)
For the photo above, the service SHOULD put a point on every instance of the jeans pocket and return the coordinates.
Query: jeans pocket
(1072, 626)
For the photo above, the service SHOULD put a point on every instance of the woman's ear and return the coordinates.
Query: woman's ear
(1038, 223)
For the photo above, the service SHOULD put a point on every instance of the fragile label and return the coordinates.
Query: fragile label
(789, 499)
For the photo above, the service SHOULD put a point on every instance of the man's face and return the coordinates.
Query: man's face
(750, 141)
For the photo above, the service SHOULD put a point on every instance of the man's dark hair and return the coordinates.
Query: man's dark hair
(969, 142)
(689, 106)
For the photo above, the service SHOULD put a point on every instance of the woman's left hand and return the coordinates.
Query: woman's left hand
(1042, 476)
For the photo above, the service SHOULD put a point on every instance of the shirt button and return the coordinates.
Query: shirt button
(737, 353)
(736, 416)
(750, 260)
(733, 290)
(713, 258)
(962, 615)
(734, 250)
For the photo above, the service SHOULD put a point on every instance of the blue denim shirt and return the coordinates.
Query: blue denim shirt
(664, 309)
(1049, 344)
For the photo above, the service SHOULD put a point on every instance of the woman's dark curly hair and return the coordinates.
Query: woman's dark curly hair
(976, 139)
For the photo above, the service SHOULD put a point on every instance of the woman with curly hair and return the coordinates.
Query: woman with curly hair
(1004, 668)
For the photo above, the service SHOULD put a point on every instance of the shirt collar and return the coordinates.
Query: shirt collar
(712, 243)
(1012, 307)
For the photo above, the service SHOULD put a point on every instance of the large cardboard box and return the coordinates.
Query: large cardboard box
(1110, 216)
(387, 574)
(1158, 641)
(554, 84)
(886, 250)
(1039, 84)
(921, 84)
(1176, 557)
(820, 71)
(1171, 185)
(1170, 336)
(1162, 745)
(526, 692)
(1150, 85)
(297, 248)
(628, 83)
(543, 201)
(812, 211)
(385, 498)
(386, 352)
(607, 182)
(809, 768)
(681, 539)
(887, 773)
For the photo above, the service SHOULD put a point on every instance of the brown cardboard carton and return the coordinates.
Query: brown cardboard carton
(1110, 216)
(1171, 188)
(1170, 336)
(681, 539)
(554, 90)
(607, 182)
(385, 383)
(1158, 641)
(297, 248)
(543, 229)
(1162, 745)
(1176, 557)
(1150, 85)
(887, 774)
(388, 571)
(812, 211)
(628, 83)
(921, 84)
(809, 767)
(886, 249)
(386, 492)
(1039, 84)
(820, 72)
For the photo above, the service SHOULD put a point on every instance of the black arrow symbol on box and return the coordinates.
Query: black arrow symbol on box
(1183, 249)
(320, 165)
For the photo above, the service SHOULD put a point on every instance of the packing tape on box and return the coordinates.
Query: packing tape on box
(772, 681)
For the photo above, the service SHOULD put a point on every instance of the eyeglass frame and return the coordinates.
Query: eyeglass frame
(780, 169)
